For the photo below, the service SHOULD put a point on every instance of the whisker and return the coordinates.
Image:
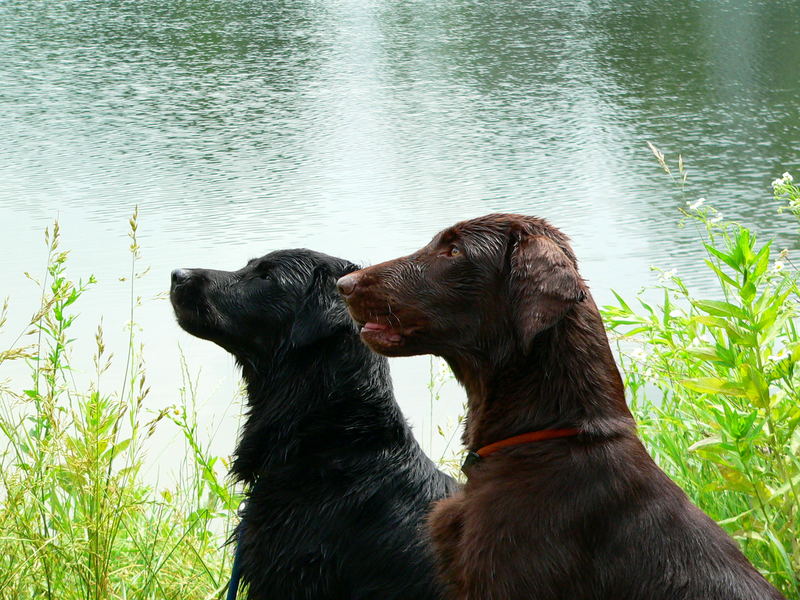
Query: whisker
(391, 314)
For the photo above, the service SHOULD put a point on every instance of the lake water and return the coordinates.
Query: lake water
(360, 128)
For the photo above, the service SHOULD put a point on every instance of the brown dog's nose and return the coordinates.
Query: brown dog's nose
(347, 284)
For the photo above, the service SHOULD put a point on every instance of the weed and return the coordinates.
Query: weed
(76, 519)
(713, 383)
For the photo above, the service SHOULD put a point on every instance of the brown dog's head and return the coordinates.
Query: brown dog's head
(480, 288)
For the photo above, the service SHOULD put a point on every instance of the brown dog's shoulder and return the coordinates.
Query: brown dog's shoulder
(446, 525)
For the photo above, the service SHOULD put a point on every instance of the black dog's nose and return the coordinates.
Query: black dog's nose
(347, 284)
(180, 276)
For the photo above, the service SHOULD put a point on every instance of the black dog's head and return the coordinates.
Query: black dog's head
(286, 299)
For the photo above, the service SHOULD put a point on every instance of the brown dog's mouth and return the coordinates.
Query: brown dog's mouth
(381, 334)
(386, 332)
(372, 331)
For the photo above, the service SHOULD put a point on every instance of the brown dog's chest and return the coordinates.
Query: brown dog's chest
(514, 528)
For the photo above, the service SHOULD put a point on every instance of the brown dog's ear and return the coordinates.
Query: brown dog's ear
(544, 285)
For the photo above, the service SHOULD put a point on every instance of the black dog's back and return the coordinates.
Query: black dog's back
(338, 489)
(351, 481)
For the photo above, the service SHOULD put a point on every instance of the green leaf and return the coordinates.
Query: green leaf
(721, 309)
(714, 385)
(637, 330)
(744, 245)
(741, 336)
(762, 261)
(708, 353)
(748, 292)
(646, 306)
(745, 428)
(785, 488)
(726, 258)
(614, 323)
(712, 322)
(755, 385)
(767, 318)
(116, 449)
(735, 479)
(779, 549)
(622, 302)
(722, 275)
(714, 440)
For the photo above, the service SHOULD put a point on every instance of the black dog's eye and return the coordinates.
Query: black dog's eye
(263, 272)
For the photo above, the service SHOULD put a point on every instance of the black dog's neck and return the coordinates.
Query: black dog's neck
(302, 403)
(568, 379)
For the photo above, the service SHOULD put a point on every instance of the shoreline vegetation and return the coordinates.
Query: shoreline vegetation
(76, 518)
(713, 384)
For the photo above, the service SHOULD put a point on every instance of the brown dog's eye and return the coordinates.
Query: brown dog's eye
(453, 251)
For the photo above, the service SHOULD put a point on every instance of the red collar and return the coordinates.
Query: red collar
(535, 436)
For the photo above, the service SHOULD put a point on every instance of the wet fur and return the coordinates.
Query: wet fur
(589, 517)
(337, 487)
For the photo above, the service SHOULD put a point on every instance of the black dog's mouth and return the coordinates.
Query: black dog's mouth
(191, 310)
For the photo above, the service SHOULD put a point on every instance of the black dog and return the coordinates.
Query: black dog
(337, 487)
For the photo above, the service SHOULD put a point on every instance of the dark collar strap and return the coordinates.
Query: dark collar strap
(236, 570)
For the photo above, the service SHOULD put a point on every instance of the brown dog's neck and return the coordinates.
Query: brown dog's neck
(567, 379)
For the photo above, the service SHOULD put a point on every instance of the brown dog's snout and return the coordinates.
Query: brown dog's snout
(347, 284)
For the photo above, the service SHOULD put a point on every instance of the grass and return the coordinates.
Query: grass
(712, 382)
(76, 519)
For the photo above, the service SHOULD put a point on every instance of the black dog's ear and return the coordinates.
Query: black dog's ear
(322, 311)
(544, 285)
(348, 268)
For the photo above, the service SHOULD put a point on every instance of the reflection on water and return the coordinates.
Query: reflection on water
(362, 127)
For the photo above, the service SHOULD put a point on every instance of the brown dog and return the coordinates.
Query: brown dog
(584, 512)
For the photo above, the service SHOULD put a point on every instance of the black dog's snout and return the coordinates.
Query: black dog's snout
(180, 276)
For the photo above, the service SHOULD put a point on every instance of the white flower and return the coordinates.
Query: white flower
(667, 275)
(696, 204)
(781, 355)
(784, 253)
(777, 182)
(787, 177)
(716, 218)
(639, 354)
(778, 266)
